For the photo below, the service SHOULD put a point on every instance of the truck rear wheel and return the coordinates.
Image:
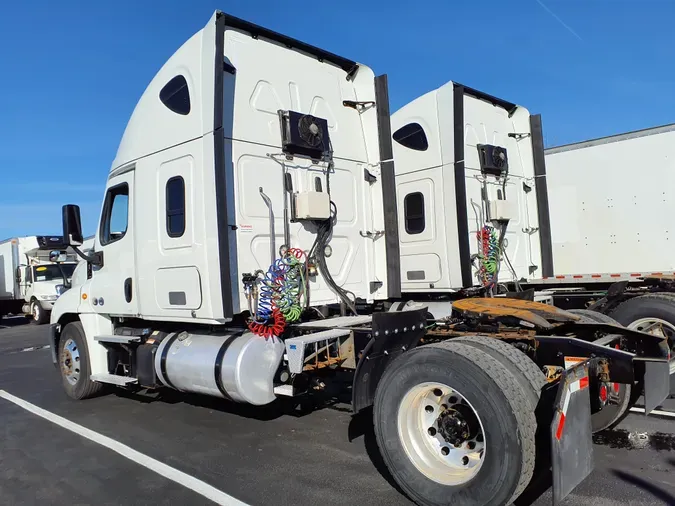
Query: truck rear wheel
(74, 363)
(530, 377)
(614, 398)
(455, 426)
(39, 316)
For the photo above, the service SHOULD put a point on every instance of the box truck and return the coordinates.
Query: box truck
(261, 260)
(34, 272)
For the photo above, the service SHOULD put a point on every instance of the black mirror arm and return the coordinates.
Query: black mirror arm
(66, 283)
(96, 258)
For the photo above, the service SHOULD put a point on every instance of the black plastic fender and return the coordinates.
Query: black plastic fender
(392, 333)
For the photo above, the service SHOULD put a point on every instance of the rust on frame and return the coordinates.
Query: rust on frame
(536, 313)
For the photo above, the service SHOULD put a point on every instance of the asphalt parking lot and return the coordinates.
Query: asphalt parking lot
(235, 453)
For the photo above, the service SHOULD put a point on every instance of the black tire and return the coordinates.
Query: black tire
(39, 316)
(612, 414)
(594, 316)
(653, 305)
(83, 387)
(496, 395)
(528, 374)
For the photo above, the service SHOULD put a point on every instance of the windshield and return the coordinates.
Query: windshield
(53, 272)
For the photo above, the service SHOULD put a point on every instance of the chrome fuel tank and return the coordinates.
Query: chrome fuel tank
(237, 366)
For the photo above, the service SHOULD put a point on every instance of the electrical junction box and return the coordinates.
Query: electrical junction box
(502, 210)
(311, 206)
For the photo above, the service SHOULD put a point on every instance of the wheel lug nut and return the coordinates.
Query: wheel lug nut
(444, 406)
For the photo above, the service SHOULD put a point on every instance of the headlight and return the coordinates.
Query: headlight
(48, 297)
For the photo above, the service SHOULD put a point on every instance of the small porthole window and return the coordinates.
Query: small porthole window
(175, 207)
(413, 208)
(176, 95)
(412, 136)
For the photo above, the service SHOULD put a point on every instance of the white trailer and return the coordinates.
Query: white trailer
(257, 260)
(34, 272)
(611, 222)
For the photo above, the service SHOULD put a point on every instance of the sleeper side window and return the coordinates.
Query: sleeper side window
(413, 209)
(175, 206)
(412, 136)
(176, 95)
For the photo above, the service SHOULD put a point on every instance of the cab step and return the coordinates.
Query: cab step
(339, 321)
(118, 339)
(113, 379)
(295, 346)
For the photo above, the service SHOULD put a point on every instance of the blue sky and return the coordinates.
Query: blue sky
(72, 72)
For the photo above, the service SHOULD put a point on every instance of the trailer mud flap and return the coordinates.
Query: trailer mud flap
(571, 437)
(657, 383)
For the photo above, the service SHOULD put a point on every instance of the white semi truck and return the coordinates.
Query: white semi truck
(34, 272)
(483, 207)
(260, 258)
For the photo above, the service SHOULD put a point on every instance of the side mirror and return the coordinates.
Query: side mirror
(72, 225)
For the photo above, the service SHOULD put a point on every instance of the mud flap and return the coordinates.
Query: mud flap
(571, 437)
(657, 383)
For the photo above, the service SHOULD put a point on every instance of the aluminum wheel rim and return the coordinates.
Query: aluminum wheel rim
(418, 428)
(70, 362)
(36, 311)
(654, 326)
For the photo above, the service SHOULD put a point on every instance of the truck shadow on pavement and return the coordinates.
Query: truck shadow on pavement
(657, 492)
(7, 322)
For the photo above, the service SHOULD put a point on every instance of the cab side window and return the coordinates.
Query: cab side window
(115, 214)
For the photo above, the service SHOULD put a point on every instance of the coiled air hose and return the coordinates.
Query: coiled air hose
(281, 290)
(488, 238)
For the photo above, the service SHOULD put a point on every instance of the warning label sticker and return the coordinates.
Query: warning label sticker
(572, 361)
(245, 227)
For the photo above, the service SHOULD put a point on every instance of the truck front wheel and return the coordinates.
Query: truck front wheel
(455, 426)
(74, 363)
(39, 316)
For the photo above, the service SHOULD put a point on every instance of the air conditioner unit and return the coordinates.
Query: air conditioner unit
(305, 135)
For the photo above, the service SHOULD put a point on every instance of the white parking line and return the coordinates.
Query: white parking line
(656, 412)
(160, 468)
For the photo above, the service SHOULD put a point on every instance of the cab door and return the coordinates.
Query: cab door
(113, 287)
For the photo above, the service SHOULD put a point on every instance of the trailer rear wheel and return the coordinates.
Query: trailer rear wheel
(455, 426)
(74, 363)
(614, 398)
(653, 313)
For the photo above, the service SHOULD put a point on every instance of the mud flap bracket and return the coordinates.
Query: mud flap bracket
(657, 383)
(571, 435)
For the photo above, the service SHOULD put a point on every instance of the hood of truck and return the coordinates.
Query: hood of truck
(46, 287)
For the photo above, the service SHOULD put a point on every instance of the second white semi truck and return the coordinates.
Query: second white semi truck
(482, 208)
(258, 262)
